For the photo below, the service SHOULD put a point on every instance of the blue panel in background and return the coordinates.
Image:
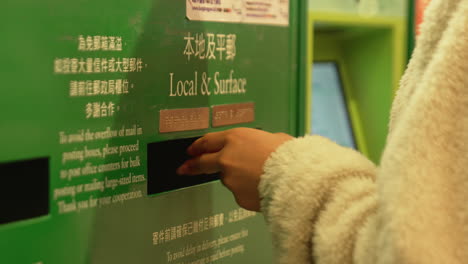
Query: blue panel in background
(330, 117)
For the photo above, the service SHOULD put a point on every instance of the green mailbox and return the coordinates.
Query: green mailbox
(99, 101)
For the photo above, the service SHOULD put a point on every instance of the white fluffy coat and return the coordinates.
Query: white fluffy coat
(327, 204)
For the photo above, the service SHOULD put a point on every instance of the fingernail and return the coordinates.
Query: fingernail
(189, 150)
(181, 170)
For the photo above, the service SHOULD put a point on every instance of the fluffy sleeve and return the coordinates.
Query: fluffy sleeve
(327, 204)
(317, 196)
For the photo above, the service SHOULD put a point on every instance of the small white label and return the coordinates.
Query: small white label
(270, 12)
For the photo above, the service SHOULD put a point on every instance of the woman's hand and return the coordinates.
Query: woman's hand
(239, 154)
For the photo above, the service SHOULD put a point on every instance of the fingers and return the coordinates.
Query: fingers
(209, 143)
(206, 155)
(204, 164)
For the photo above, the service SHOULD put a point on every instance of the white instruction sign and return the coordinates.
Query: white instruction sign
(270, 12)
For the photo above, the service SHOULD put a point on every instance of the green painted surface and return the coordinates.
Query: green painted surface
(300, 103)
(36, 106)
(411, 27)
(371, 54)
(368, 8)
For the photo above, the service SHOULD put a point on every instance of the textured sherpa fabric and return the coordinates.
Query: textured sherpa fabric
(328, 204)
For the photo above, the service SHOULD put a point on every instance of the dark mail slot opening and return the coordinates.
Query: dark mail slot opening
(24, 191)
(163, 160)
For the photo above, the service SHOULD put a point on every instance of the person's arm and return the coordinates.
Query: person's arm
(319, 199)
(327, 204)
(325, 207)
(315, 194)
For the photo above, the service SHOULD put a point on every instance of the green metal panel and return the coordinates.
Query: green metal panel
(411, 27)
(371, 54)
(303, 57)
(38, 107)
(367, 8)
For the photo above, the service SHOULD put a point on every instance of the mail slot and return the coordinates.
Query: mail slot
(163, 160)
(24, 191)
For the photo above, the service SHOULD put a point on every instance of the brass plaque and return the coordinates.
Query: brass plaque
(173, 120)
(231, 114)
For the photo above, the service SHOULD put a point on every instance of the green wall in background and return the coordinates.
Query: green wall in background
(371, 54)
(366, 8)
